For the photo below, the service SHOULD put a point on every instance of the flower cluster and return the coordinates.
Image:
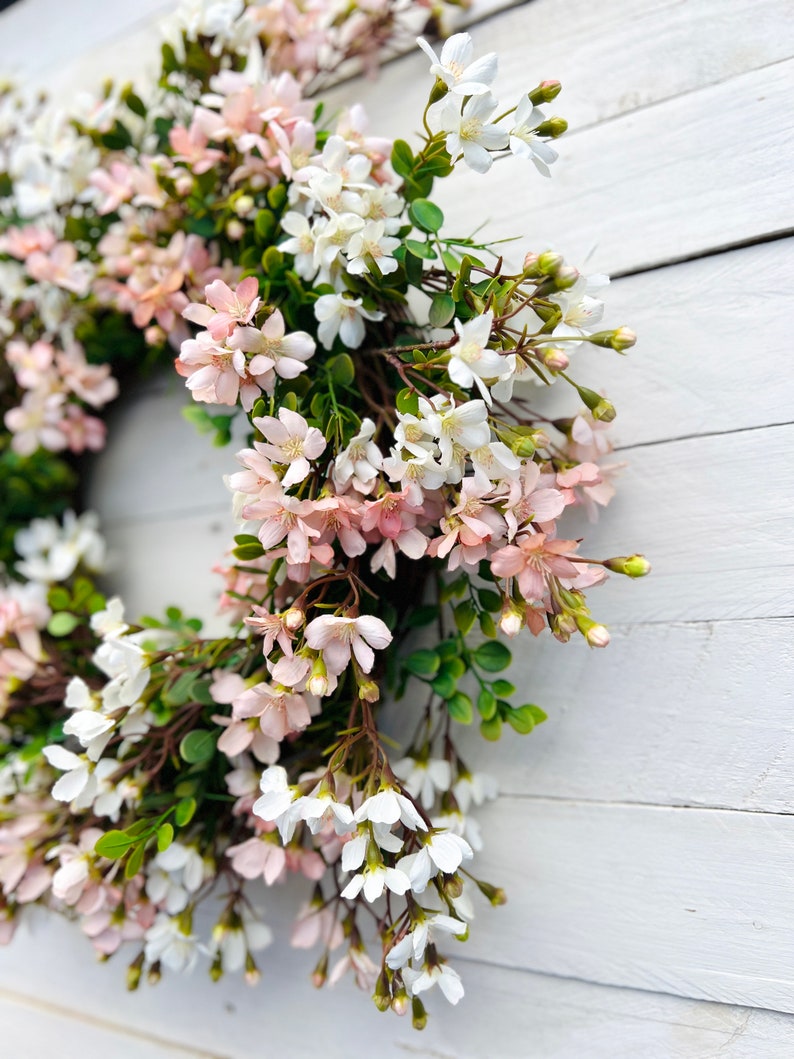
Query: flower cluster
(394, 478)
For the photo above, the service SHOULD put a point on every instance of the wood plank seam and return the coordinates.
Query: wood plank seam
(700, 437)
(25, 1000)
(619, 803)
(680, 94)
(712, 251)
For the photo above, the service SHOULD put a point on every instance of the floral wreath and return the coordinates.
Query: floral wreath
(383, 369)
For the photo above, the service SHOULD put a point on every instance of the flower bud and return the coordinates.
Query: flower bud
(524, 448)
(595, 634)
(369, 691)
(252, 972)
(553, 128)
(318, 681)
(438, 91)
(154, 974)
(549, 262)
(544, 93)
(495, 894)
(244, 205)
(453, 887)
(530, 263)
(630, 565)
(294, 618)
(565, 277)
(320, 972)
(554, 359)
(154, 335)
(235, 229)
(604, 411)
(418, 1014)
(511, 620)
(382, 995)
(621, 339)
(134, 973)
(216, 970)
(400, 1002)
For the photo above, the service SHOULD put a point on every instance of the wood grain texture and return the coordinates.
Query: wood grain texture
(716, 531)
(713, 352)
(660, 184)
(686, 901)
(536, 1017)
(667, 715)
(713, 516)
(30, 1029)
(100, 28)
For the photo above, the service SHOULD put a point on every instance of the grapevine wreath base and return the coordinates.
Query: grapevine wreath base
(396, 478)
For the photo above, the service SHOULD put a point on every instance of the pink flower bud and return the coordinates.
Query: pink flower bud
(294, 618)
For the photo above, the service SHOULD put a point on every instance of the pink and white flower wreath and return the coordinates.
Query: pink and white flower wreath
(395, 478)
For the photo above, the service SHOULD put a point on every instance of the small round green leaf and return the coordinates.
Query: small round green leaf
(492, 656)
(491, 729)
(165, 836)
(426, 215)
(442, 309)
(113, 844)
(423, 663)
(62, 623)
(184, 811)
(460, 708)
(197, 746)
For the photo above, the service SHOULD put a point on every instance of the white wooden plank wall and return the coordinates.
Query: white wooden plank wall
(646, 835)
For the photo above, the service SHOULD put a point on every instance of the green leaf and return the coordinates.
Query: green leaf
(133, 865)
(423, 663)
(62, 624)
(135, 104)
(444, 684)
(491, 601)
(451, 262)
(181, 691)
(492, 656)
(465, 616)
(486, 704)
(264, 224)
(197, 746)
(420, 616)
(442, 309)
(492, 728)
(407, 402)
(202, 694)
(487, 624)
(113, 844)
(402, 158)
(460, 707)
(246, 552)
(503, 688)
(342, 369)
(59, 598)
(423, 250)
(277, 196)
(413, 269)
(426, 215)
(165, 836)
(184, 811)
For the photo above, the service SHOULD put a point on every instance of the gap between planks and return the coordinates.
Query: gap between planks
(25, 1000)
(712, 251)
(699, 437)
(617, 803)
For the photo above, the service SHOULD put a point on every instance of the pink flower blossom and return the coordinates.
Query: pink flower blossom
(337, 637)
(290, 441)
(532, 560)
(226, 308)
